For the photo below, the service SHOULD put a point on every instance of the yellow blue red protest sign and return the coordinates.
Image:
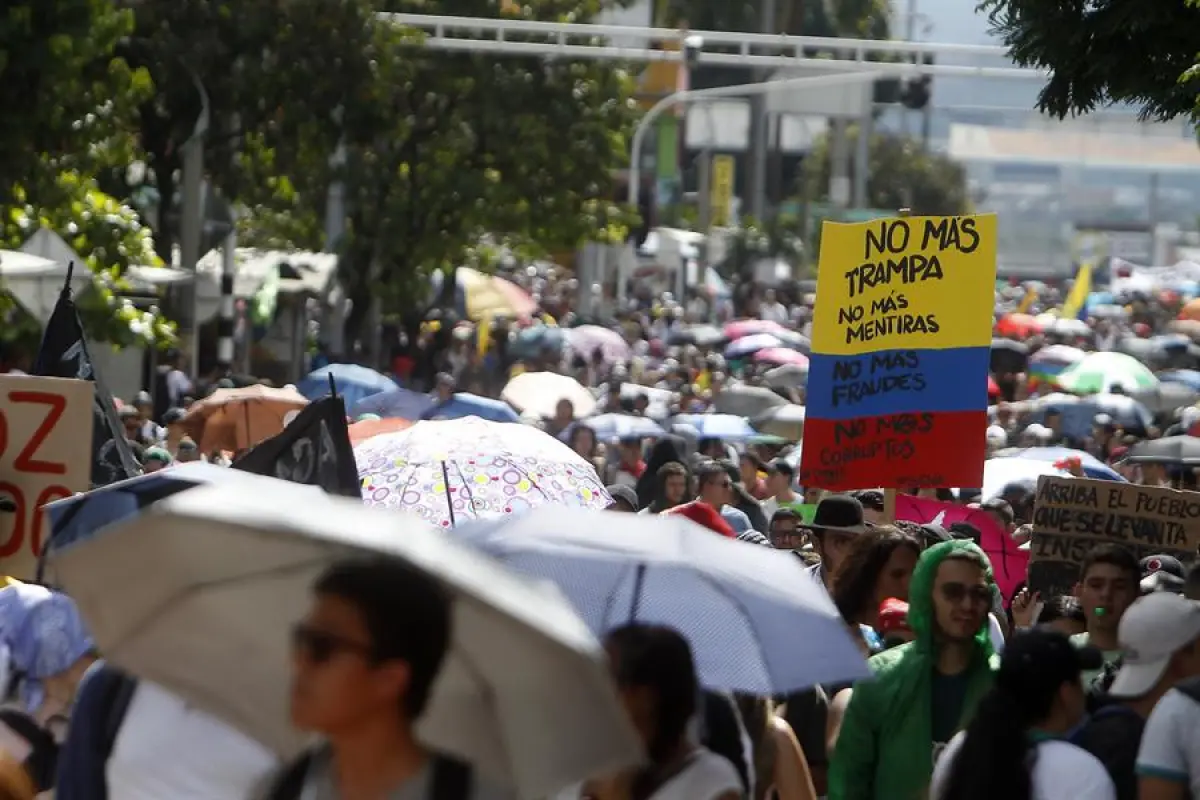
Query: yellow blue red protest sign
(897, 387)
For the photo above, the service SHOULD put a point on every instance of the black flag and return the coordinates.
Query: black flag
(64, 354)
(314, 449)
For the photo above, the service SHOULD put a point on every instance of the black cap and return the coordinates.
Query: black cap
(1162, 563)
(782, 467)
(623, 494)
(173, 415)
(1038, 661)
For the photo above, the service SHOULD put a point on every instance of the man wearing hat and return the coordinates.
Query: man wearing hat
(837, 521)
(1162, 573)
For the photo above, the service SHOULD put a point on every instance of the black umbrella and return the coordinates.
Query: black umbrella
(1179, 451)
(699, 335)
(1167, 396)
(1009, 355)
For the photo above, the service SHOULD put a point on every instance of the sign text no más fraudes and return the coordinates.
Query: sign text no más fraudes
(897, 389)
(1073, 515)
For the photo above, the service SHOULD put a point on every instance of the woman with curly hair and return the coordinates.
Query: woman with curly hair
(878, 566)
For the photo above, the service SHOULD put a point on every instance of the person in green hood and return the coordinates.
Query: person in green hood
(924, 691)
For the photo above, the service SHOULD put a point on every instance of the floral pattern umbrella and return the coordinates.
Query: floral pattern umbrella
(449, 471)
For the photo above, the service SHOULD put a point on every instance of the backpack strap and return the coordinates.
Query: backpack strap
(451, 779)
(290, 783)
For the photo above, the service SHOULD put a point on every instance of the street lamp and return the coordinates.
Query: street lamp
(738, 90)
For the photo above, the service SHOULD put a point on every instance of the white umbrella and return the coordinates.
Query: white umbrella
(539, 393)
(786, 421)
(1000, 472)
(232, 571)
(756, 621)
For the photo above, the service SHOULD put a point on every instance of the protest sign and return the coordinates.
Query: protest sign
(1073, 515)
(45, 455)
(897, 386)
(1009, 562)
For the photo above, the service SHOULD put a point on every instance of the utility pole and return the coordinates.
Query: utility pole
(760, 129)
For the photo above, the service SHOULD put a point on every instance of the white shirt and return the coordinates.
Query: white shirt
(1170, 746)
(1061, 771)
(165, 749)
(705, 777)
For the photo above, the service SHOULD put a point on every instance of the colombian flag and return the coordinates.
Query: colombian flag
(1075, 306)
(897, 386)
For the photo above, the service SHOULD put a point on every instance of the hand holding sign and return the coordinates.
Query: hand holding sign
(45, 452)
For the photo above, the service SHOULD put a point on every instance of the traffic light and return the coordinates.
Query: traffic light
(918, 90)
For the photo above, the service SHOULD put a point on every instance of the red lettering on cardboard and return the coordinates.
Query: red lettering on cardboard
(25, 460)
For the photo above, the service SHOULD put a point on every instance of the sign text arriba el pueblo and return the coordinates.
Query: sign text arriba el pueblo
(1073, 515)
(897, 389)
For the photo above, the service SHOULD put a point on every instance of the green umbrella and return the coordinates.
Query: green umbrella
(1106, 372)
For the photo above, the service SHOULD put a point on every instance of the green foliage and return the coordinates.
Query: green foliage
(845, 18)
(64, 95)
(110, 237)
(902, 175)
(1105, 51)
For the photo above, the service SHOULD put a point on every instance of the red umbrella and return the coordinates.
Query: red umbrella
(1018, 326)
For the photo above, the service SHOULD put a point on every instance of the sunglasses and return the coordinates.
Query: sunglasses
(957, 592)
(320, 646)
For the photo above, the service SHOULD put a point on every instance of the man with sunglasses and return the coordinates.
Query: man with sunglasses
(925, 691)
(364, 663)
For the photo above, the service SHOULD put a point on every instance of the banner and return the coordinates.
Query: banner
(1073, 515)
(64, 354)
(314, 449)
(45, 455)
(1010, 563)
(902, 331)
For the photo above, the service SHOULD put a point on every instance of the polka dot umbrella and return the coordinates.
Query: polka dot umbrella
(450, 471)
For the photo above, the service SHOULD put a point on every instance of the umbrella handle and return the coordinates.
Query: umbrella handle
(449, 498)
(639, 578)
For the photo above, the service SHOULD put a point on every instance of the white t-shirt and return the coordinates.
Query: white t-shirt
(1061, 771)
(707, 776)
(167, 749)
(1170, 746)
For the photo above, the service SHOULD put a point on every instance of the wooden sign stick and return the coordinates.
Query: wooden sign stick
(889, 495)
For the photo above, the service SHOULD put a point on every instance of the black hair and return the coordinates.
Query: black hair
(869, 498)
(966, 531)
(708, 470)
(1000, 507)
(783, 514)
(658, 658)
(1193, 578)
(1062, 606)
(406, 613)
(1115, 555)
(857, 576)
(578, 429)
(993, 762)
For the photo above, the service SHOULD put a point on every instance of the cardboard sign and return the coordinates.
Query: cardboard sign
(45, 455)
(902, 331)
(1073, 515)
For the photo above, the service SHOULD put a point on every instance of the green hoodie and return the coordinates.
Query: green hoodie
(885, 748)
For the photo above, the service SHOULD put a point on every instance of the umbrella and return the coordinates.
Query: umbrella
(1066, 326)
(715, 426)
(361, 431)
(787, 376)
(746, 401)
(233, 572)
(1049, 362)
(73, 519)
(535, 340)
(794, 340)
(786, 421)
(1092, 466)
(1009, 356)
(465, 404)
(659, 400)
(755, 621)
(1187, 377)
(1103, 372)
(403, 403)
(1180, 451)
(540, 392)
(623, 427)
(1187, 327)
(353, 383)
(1000, 472)
(1017, 326)
(704, 336)
(483, 297)
(449, 471)
(748, 345)
(1167, 396)
(1078, 413)
(233, 419)
(749, 327)
(782, 355)
(1107, 311)
(588, 339)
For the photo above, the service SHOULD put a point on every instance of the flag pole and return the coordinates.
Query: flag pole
(332, 385)
(66, 289)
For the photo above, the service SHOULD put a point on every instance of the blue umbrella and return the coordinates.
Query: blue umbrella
(622, 427)
(716, 426)
(1092, 466)
(1188, 377)
(755, 624)
(465, 404)
(402, 403)
(353, 382)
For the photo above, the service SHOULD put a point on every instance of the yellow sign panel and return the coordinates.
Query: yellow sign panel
(721, 198)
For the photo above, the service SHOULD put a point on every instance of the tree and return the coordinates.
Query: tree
(110, 237)
(902, 175)
(447, 151)
(850, 18)
(1104, 52)
(62, 89)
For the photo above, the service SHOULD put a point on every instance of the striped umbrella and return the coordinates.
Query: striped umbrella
(1104, 372)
